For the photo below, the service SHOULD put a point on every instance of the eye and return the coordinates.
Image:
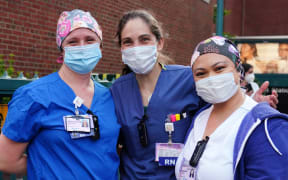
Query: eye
(126, 42)
(219, 68)
(200, 73)
(145, 39)
(72, 42)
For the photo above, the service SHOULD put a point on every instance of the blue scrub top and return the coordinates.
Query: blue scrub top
(174, 93)
(35, 115)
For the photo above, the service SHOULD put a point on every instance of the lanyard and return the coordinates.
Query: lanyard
(96, 125)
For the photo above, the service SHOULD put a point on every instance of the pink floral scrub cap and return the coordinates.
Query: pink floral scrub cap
(71, 20)
(219, 45)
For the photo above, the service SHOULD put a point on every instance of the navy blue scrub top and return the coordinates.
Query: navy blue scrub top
(174, 93)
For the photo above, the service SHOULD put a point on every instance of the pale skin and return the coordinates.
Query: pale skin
(12, 157)
(212, 64)
(137, 33)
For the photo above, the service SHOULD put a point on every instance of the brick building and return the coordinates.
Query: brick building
(256, 18)
(27, 29)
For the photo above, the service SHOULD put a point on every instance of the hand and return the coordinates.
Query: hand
(271, 99)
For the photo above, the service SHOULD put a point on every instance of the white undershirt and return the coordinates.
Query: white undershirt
(217, 159)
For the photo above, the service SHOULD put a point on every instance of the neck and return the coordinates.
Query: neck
(74, 79)
(232, 104)
(148, 81)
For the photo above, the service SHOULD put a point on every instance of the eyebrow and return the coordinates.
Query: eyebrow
(215, 64)
(143, 35)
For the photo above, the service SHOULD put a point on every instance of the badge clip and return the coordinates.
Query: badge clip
(77, 102)
(169, 127)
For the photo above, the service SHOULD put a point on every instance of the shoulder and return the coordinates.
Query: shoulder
(35, 92)
(102, 91)
(124, 79)
(39, 84)
(178, 68)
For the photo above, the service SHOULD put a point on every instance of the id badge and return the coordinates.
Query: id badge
(166, 154)
(79, 126)
(79, 123)
(186, 172)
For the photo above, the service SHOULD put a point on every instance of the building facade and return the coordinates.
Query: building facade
(27, 29)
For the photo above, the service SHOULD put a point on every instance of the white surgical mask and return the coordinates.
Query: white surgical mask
(217, 89)
(141, 59)
(250, 78)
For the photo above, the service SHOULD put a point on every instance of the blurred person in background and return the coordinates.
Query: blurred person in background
(249, 78)
(283, 55)
(248, 54)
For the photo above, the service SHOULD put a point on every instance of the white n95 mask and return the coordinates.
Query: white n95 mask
(217, 89)
(250, 78)
(141, 59)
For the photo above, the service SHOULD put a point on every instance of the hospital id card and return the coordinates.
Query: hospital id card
(186, 172)
(79, 123)
(80, 134)
(166, 154)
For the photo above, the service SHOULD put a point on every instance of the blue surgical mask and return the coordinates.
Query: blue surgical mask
(82, 59)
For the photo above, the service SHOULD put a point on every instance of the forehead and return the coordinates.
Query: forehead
(81, 33)
(283, 46)
(210, 59)
(246, 46)
(135, 27)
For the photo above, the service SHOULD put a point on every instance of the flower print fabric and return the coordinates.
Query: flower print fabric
(71, 20)
(219, 45)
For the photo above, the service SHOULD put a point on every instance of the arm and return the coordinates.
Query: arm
(271, 99)
(12, 157)
(260, 160)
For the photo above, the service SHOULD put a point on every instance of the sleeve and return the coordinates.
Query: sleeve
(23, 118)
(261, 161)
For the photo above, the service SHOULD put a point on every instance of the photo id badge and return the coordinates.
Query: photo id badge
(84, 123)
(79, 123)
(186, 172)
(166, 154)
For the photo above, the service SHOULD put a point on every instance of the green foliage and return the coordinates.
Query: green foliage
(28, 75)
(228, 35)
(2, 65)
(226, 12)
(10, 68)
(5, 100)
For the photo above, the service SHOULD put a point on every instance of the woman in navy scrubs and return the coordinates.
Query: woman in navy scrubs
(149, 98)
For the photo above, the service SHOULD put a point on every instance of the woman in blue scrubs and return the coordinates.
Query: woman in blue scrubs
(45, 116)
(149, 100)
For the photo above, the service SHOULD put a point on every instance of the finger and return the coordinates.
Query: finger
(274, 93)
(274, 99)
(263, 87)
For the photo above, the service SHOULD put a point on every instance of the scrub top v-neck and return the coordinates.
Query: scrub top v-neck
(36, 114)
(174, 93)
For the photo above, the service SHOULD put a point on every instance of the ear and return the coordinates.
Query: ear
(238, 80)
(160, 44)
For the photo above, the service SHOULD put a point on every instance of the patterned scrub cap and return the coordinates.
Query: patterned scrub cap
(71, 20)
(219, 45)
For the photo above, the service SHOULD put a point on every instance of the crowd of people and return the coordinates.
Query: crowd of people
(156, 111)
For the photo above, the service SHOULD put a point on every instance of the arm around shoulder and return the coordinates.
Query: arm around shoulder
(12, 157)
